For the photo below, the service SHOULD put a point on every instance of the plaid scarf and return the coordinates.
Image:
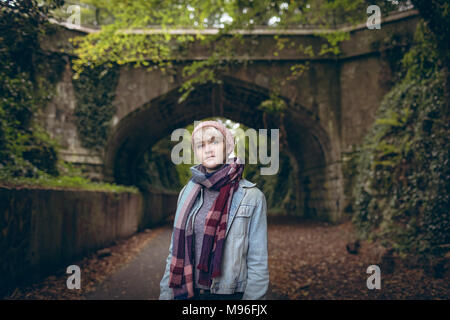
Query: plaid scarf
(226, 180)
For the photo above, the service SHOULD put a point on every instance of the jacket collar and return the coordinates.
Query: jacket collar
(246, 184)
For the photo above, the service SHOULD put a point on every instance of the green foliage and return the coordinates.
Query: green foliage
(401, 190)
(436, 13)
(184, 173)
(94, 93)
(154, 46)
(421, 62)
(26, 77)
(155, 168)
(274, 105)
(73, 180)
(333, 40)
(28, 155)
(279, 188)
(199, 72)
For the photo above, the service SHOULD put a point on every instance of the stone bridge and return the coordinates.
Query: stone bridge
(331, 106)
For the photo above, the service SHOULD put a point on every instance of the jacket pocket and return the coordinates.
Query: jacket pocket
(241, 220)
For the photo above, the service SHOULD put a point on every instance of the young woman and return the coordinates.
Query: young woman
(218, 248)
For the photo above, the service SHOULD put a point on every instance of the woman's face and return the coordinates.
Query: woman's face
(209, 148)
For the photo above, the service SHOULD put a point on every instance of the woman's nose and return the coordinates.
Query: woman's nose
(208, 148)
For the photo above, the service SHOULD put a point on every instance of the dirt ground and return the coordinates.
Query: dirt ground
(306, 261)
(310, 261)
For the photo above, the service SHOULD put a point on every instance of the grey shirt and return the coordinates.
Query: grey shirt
(209, 196)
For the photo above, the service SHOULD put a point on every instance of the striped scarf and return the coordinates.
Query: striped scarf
(226, 180)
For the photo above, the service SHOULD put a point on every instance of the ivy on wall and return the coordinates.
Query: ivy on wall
(278, 188)
(27, 78)
(94, 94)
(156, 170)
(401, 194)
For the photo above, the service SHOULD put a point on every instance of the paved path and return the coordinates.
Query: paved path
(139, 279)
(306, 261)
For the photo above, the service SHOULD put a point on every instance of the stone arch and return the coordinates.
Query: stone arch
(310, 146)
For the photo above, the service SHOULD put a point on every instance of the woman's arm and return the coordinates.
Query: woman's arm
(166, 293)
(257, 256)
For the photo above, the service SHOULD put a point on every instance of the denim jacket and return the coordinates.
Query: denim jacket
(245, 258)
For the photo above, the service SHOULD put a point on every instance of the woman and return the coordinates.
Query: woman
(218, 248)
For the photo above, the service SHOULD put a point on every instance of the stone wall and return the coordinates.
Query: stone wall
(159, 207)
(43, 230)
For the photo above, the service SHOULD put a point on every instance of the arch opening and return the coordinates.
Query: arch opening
(308, 154)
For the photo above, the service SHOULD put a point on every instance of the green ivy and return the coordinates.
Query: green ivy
(28, 156)
(94, 94)
(27, 75)
(401, 194)
(154, 169)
